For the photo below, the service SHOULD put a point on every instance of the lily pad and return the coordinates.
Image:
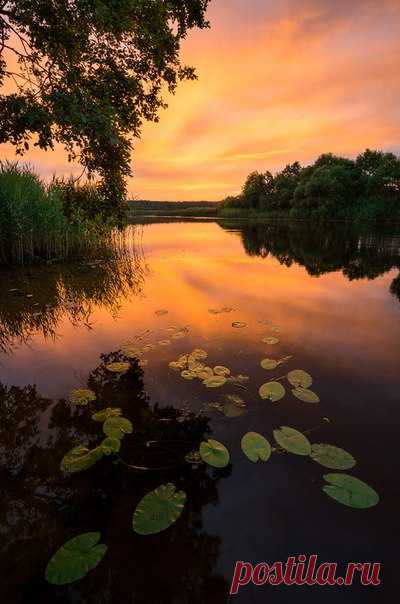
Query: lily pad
(269, 364)
(75, 559)
(214, 453)
(332, 457)
(305, 395)
(239, 324)
(199, 353)
(350, 491)
(110, 445)
(104, 414)
(256, 447)
(161, 312)
(81, 397)
(158, 509)
(131, 352)
(188, 375)
(274, 391)
(301, 378)
(214, 381)
(80, 458)
(270, 340)
(164, 342)
(118, 367)
(221, 370)
(292, 441)
(117, 427)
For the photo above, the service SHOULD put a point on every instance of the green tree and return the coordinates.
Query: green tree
(285, 184)
(258, 190)
(89, 72)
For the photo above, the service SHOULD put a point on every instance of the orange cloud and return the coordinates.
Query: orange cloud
(276, 84)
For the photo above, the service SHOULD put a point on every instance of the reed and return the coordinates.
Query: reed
(33, 224)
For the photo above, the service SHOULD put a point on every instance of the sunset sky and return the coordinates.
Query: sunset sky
(279, 81)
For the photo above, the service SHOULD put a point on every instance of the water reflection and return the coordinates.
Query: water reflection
(35, 299)
(359, 252)
(41, 508)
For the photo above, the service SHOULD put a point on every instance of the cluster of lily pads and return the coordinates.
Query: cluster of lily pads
(160, 508)
(299, 379)
(191, 367)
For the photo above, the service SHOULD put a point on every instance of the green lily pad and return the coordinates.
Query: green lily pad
(81, 397)
(239, 324)
(256, 447)
(110, 445)
(80, 458)
(118, 367)
(305, 395)
(117, 427)
(292, 441)
(104, 414)
(270, 340)
(75, 559)
(350, 491)
(298, 377)
(269, 364)
(274, 391)
(214, 453)
(332, 457)
(158, 510)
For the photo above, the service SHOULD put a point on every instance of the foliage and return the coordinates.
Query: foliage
(33, 225)
(89, 73)
(75, 559)
(332, 188)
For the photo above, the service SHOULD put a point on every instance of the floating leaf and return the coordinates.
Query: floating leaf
(175, 365)
(234, 406)
(274, 391)
(110, 445)
(118, 367)
(239, 324)
(199, 353)
(131, 352)
(193, 457)
(332, 457)
(218, 311)
(301, 378)
(221, 370)
(256, 447)
(270, 340)
(292, 440)
(158, 510)
(188, 375)
(80, 458)
(161, 312)
(205, 373)
(214, 453)
(350, 491)
(75, 559)
(275, 329)
(104, 414)
(269, 364)
(164, 342)
(307, 396)
(117, 427)
(81, 397)
(179, 335)
(240, 378)
(214, 381)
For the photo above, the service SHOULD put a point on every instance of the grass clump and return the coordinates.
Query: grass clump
(34, 225)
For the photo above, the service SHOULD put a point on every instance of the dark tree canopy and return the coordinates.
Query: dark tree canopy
(89, 72)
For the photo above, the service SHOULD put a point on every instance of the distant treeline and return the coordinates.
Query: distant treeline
(332, 188)
(174, 208)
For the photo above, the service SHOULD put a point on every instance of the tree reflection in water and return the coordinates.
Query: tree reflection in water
(41, 507)
(35, 299)
(359, 252)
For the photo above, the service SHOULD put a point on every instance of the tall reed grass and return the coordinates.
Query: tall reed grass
(33, 224)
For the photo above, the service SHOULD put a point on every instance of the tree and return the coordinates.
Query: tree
(89, 72)
(285, 184)
(257, 189)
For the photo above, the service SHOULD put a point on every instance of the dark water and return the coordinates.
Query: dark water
(334, 293)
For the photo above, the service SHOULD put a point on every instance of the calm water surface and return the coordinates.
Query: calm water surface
(335, 295)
